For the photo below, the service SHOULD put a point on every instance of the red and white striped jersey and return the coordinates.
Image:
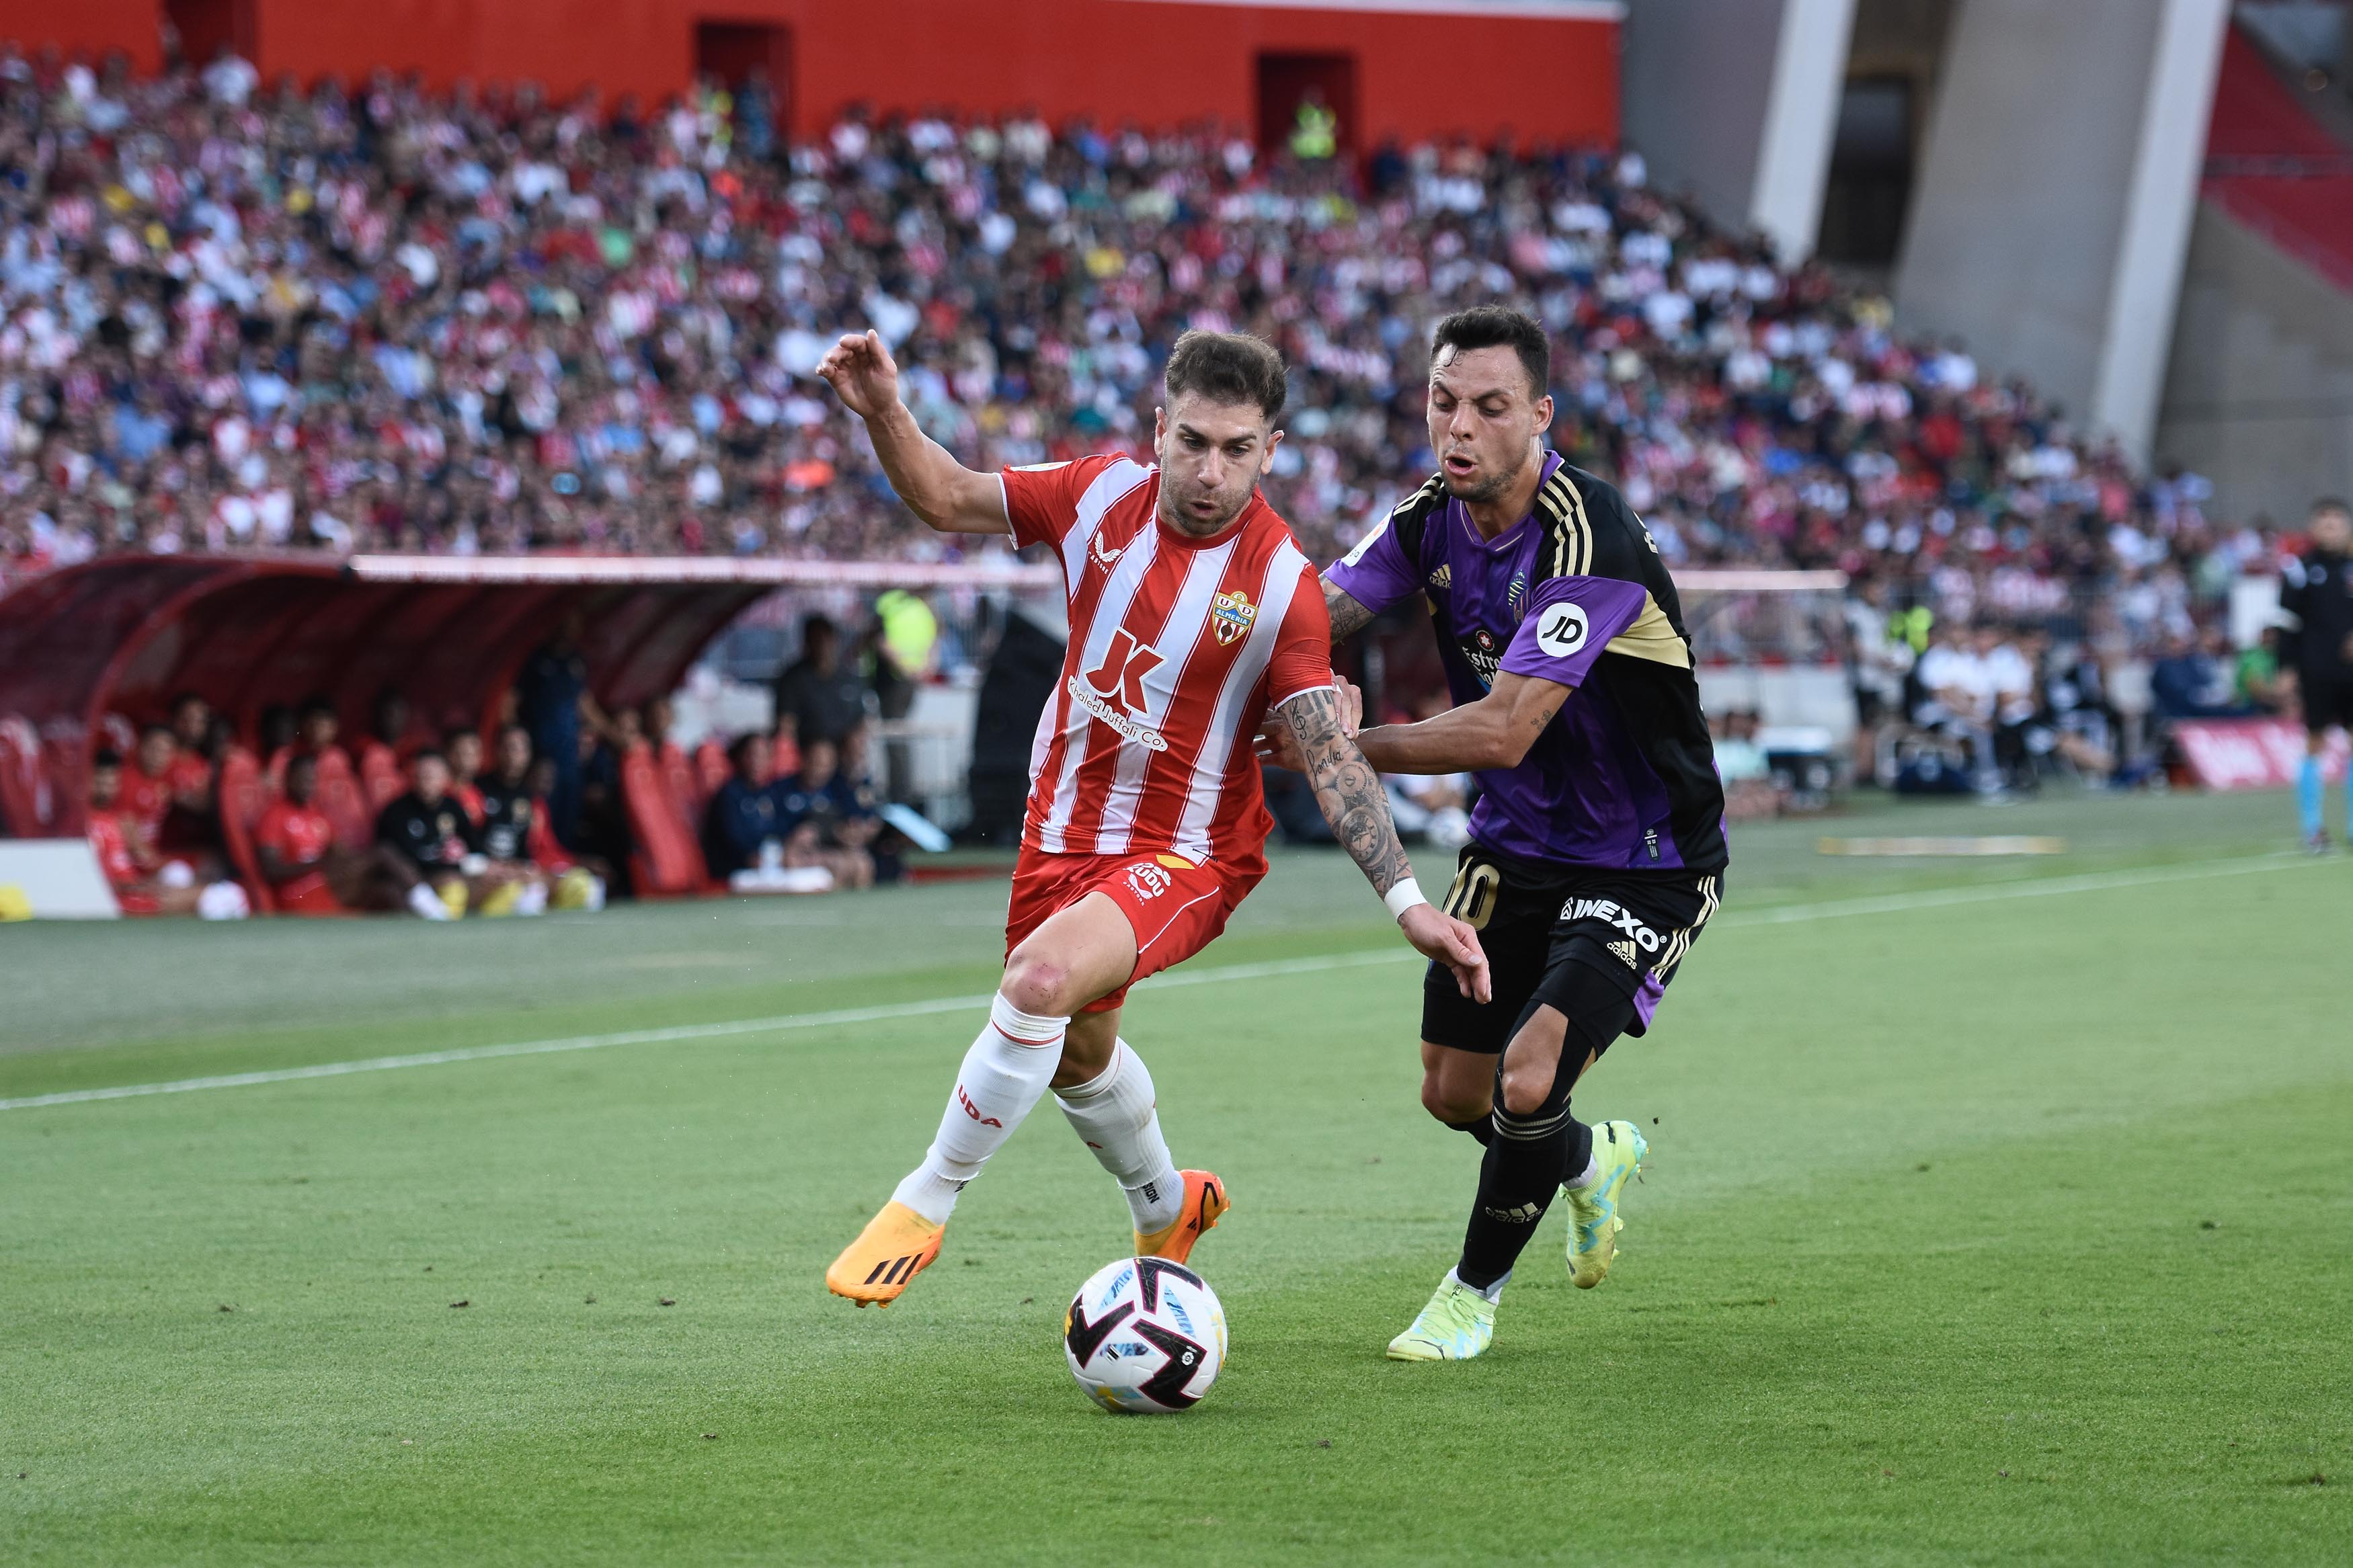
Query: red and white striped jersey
(1178, 647)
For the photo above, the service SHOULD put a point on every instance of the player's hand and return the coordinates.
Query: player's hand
(1352, 706)
(861, 372)
(1277, 747)
(1449, 942)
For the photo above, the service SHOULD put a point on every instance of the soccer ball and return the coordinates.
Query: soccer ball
(1144, 1336)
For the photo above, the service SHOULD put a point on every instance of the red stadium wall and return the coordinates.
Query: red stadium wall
(1423, 68)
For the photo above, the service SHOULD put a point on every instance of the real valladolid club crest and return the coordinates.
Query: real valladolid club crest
(1232, 614)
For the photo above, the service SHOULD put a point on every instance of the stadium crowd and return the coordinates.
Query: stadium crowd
(245, 315)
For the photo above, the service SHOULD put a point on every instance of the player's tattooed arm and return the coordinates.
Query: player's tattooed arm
(1348, 616)
(1350, 794)
(1347, 790)
(1493, 732)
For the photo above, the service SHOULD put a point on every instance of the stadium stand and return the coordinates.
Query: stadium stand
(381, 319)
(322, 323)
(2275, 167)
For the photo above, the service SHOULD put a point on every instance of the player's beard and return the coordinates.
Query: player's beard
(1481, 491)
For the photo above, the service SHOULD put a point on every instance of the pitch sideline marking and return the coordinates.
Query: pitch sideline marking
(1788, 914)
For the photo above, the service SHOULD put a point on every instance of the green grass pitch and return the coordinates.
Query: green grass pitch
(2000, 1212)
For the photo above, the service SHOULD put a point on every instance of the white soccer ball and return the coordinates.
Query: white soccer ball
(1144, 1336)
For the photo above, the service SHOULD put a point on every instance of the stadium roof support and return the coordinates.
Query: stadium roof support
(123, 635)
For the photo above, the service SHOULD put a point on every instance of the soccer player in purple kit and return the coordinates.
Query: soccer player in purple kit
(1597, 848)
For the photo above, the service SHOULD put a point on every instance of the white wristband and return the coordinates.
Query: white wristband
(1403, 897)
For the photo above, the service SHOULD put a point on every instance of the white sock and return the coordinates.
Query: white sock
(1004, 1074)
(1494, 1292)
(1114, 1113)
(1592, 1171)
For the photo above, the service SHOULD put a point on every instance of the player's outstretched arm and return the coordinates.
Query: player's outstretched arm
(945, 494)
(1493, 732)
(1350, 795)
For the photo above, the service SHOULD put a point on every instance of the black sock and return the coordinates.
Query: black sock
(1479, 1127)
(1580, 1152)
(1516, 1183)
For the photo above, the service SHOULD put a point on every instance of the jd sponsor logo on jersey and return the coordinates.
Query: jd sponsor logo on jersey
(1231, 615)
(1113, 690)
(1606, 912)
(1560, 631)
(1484, 653)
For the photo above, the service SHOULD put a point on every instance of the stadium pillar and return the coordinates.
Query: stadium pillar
(2051, 214)
(1736, 100)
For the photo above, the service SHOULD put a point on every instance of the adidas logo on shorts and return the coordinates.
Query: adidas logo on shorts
(1625, 954)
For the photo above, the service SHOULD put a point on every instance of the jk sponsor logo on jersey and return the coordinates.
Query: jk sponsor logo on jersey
(1113, 690)
(1609, 912)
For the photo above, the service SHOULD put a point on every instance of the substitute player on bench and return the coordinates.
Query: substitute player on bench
(1193, 615)
(1597, 848)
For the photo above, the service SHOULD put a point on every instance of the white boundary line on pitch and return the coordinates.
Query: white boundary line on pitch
(1787, 914)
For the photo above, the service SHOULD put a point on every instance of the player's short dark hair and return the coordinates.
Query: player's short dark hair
(1499, 326)
(2332, 503)
(1229, 368)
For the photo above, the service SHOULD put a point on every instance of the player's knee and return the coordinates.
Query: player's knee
(1036, 984)
(1453, 1103)
(1527, 1086)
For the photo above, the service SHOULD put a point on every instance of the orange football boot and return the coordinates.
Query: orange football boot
(896, 1245)
(1205, 1203)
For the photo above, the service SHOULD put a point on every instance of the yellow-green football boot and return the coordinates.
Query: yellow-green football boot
(1593, 1219)
(1458, 1324)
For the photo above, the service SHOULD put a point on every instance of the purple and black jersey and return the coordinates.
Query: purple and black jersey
(1624, 778)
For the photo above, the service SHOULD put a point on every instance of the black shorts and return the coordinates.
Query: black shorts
(1599, 946)
(2328, 702)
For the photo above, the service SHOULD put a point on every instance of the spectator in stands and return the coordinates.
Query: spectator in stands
(275, 730)
(2260, 679)
(820, 696)
(2193, 680)
(1878, 658)
(144, 797)
(463, 745)
(1957, 699)
(515, 827)
(316, 729)
(379, 755)
(128, 870)
(741, 824)
(837, 814)
(604, 810)
(294, 845)
(1750, 793)
(430, 856)
(143, 883)
(552, 702)
(2074, 724)
(2016, 700)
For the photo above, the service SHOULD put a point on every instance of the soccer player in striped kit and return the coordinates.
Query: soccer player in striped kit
(1192, 617)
